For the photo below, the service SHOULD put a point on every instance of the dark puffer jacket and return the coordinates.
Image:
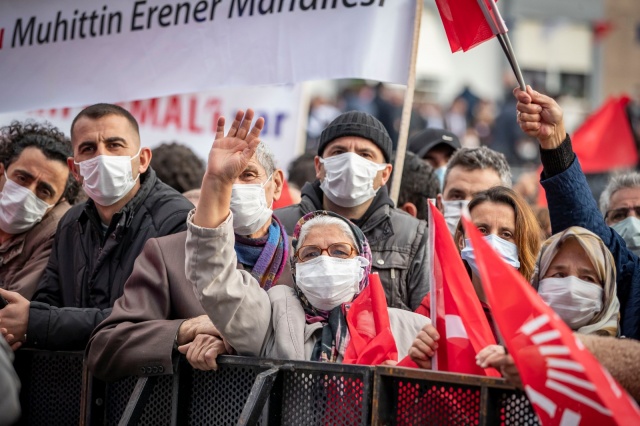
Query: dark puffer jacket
(571, 203)
(398, 244)
(87, 271)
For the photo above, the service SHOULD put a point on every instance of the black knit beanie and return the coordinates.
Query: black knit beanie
(356, 123)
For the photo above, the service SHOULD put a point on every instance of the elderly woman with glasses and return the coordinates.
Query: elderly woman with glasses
(331, 265)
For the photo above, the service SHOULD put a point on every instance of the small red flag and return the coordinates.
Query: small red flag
(605, 140)
(371, 340)
(464, 23)
(563, 380)
(462, 324)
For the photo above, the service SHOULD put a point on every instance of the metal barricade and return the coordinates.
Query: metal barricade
(405, 396)
(57, 389)
(52, 391)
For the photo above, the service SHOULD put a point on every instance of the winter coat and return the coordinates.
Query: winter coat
(138, 338)
(571, 203)
(87, 270)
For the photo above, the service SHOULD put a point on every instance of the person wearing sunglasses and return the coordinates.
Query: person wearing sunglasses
(331, 262)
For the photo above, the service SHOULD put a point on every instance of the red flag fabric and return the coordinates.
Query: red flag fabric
(605, 140)
(459, 318)
(371, 340)
(464, 23)
(285, 197)
(563, 380)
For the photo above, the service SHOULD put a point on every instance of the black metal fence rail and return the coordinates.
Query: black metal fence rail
(57, 390)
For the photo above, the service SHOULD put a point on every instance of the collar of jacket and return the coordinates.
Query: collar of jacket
(378, 212)
(122, 219)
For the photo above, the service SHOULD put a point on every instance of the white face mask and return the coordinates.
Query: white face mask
(107, 179)
(20, 209)
(507, 250)
(328, 282)
(576, 301)
(452, 213)
(629, 230)
(249, 208)
(348, 179)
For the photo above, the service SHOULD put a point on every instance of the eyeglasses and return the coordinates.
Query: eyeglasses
(622, 213)
(339, 250)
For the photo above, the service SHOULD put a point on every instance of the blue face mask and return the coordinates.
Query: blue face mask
(507, 250)
(440, 172)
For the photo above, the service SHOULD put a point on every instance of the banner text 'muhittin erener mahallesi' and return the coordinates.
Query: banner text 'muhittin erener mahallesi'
(83, 24)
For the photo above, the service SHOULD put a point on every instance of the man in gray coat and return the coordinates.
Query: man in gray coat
(352, 167)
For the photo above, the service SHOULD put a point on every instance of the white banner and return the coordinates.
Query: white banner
(73, 52)
(191, 119)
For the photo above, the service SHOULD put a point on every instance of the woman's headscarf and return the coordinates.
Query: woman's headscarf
(335, 334)
(606, 321)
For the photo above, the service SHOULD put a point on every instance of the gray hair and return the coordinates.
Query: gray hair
(616, 183)
(326, 220)
(265, 157)
(480, 158)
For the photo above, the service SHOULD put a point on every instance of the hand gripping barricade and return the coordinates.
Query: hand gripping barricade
(57, 389)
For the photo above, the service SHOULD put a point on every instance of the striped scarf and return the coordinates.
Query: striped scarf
(266, 256)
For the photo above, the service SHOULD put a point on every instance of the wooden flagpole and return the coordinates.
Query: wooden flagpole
(407, 107)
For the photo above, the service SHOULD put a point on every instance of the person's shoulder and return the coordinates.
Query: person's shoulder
(171, 242)
(166, 206)
(405, 223)
(72, 215)
(280, 293)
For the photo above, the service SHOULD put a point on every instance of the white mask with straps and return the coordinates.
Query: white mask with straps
(576, 301)
(629, 230)
(249, 207)
(348, 179)
(328, 282)
(507, 250)
(452, 213)
(20, 209)
(107, 179)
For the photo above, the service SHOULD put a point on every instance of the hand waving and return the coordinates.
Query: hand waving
(230, 154)
(228, 158)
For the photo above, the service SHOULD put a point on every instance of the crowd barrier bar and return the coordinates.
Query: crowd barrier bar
(57, 389)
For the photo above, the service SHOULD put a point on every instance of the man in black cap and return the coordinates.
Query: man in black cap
(436, 147)
(352, 168)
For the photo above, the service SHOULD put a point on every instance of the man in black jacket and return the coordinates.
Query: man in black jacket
(352, 167)
(98, 241)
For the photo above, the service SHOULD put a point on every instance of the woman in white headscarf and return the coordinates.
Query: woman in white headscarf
(575, 274)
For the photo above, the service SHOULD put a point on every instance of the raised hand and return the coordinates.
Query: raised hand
(540, 116)
(228, 158)
(230, 154)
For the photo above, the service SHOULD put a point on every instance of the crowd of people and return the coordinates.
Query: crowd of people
(108, 247)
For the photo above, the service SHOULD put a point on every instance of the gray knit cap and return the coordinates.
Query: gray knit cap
(356, 123)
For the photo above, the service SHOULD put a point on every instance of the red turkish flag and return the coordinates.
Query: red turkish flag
(605, 140)
(563, 380)
(464, 23)
(371, 340)
(459, 319)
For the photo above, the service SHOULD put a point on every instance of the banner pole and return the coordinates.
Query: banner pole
(407, 107)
